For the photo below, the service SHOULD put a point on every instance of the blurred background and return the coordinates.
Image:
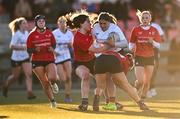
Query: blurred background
(164, 12)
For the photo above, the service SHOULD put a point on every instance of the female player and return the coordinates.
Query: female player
(143, 39)
(19, 58)
(83, 58)
(64, 38)
(41, 44)
(101, 31)
(110, 61)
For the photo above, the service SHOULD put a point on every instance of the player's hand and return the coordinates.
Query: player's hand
(50, 49)
(133, 49)
(111, 42)
(37, 49)
(150, 40)
(113, 38)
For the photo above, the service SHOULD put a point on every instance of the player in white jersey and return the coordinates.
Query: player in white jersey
(102, 36)
(109, 40)
(152, 91)
(20, 57)
(64, 38)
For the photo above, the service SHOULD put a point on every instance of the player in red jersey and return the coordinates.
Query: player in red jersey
(142, 42)
(41, 44)
(83, 58)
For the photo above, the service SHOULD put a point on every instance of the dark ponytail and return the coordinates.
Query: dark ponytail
(80, 19)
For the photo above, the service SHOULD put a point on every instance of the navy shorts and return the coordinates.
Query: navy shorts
(89, 65)
(41, 63)
(107, 63)
(144, 61)
(18, 63)
(62, 62)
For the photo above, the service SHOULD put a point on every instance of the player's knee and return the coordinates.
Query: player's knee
(15, 77)
(28, 75)
(53, 78)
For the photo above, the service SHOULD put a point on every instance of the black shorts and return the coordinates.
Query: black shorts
(89, 65)
(40, 63)
(143, 61)
(18, 63)
(107, 63)
(63, 61)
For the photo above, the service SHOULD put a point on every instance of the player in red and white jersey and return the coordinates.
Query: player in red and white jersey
(20, 57)
(109, 61)
(41, 44)
(142, 42)
(83, 58)
(64, 39)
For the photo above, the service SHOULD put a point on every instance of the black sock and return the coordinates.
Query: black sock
(85, 101)
(96, 100)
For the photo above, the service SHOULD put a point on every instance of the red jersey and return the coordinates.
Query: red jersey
(140, 37)
(81, 46)
(44, 41)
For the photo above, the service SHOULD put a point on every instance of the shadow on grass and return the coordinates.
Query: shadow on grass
(3, 117)
(147, 113)
(165, 101)
(158, 107)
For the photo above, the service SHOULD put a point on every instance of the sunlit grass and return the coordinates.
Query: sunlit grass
(166, 105)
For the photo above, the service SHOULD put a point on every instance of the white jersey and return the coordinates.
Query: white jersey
(19, 39)
(158, 27)
(62, 41)
(103, 35)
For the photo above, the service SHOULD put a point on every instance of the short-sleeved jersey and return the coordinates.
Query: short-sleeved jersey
(103, 35)
(81, 45)
(19, 39)
(158, 27)
(140, 37)
(44, 41)
(62, 41)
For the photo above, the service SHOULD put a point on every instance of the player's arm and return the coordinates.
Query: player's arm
(17, 47)
(100, 48)
(53, 44)
(132, 42)
(97, 47)
(155, 41)
(30, 46)
(13, 45)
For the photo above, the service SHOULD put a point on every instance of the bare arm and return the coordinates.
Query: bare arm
(154, 43)
(15, 47)
(99, 49)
